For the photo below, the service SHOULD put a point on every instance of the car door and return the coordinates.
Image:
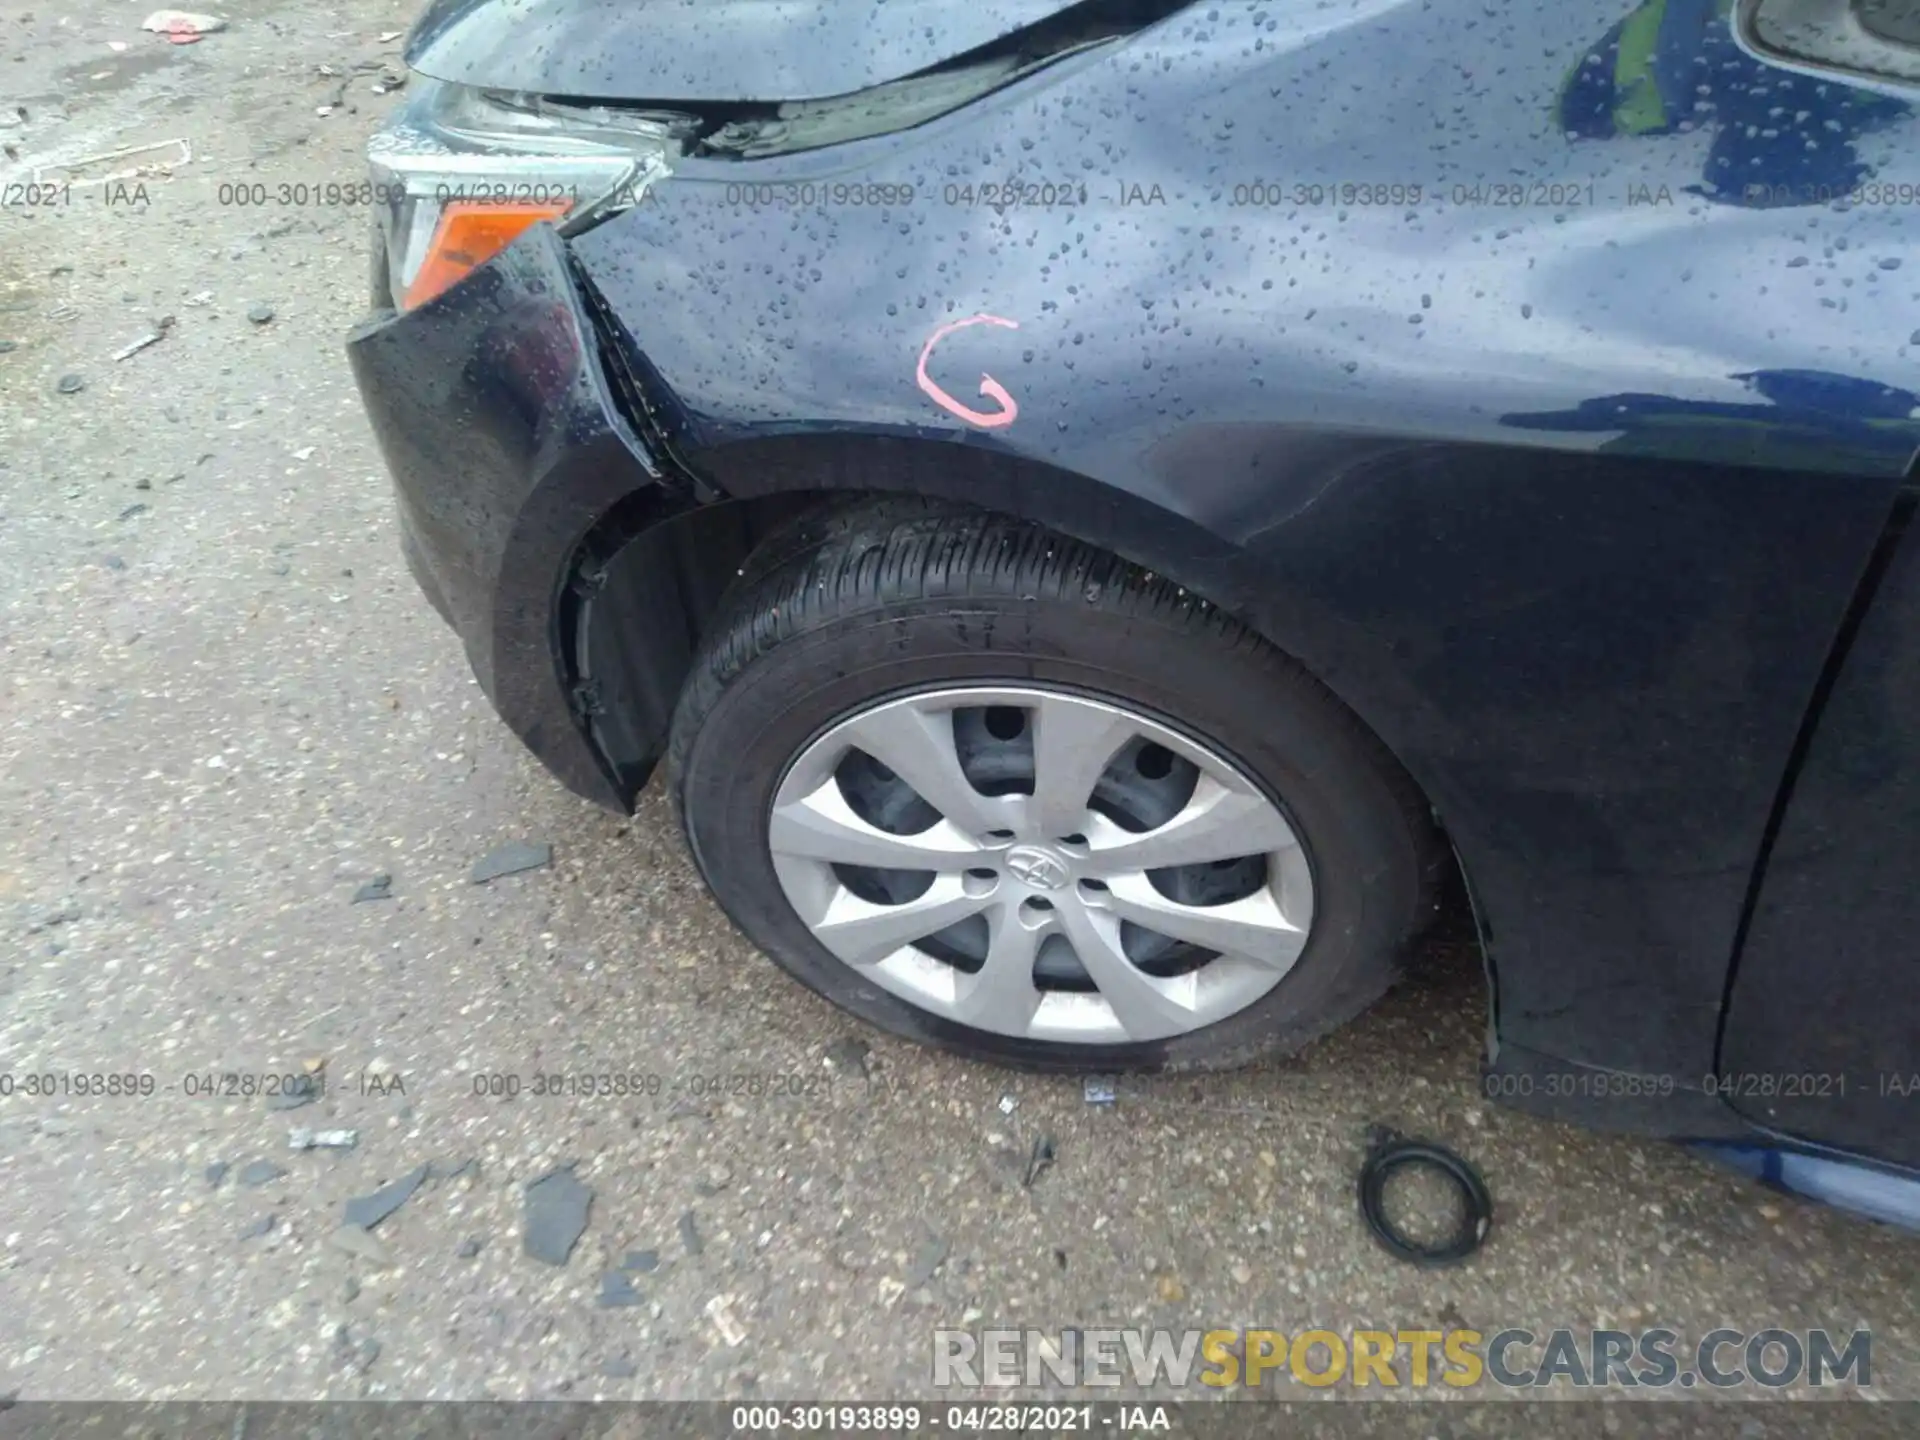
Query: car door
(1822, 1032)
(1821, 1035)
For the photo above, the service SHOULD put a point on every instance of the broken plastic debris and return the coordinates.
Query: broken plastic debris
(511, 859)
(73, 172)
(1041, 1160)
(304, 1092)
(182, 27)
(367, 1211)
(298, 1139)
(849, 1053)
(617, 1290)
(557, 1207)
(720, 1312)
(359, 1243)
(1098, 1090)
(260, 1172)
(153, 337)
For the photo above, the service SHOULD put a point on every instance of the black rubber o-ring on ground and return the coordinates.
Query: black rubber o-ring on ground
(1395, 1154)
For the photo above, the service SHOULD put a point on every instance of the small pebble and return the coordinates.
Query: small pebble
(71, 385)
(260, 313)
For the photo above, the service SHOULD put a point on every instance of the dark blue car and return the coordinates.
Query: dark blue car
(1106, 509)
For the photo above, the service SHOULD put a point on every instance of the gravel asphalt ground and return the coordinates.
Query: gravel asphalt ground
(225, 709)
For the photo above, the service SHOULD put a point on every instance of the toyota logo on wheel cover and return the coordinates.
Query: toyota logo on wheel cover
(1039, 868)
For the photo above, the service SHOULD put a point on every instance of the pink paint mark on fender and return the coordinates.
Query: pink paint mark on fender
(989, 387)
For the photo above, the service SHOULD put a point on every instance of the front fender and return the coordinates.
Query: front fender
(506, 446)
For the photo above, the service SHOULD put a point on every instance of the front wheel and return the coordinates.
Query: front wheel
(995, 790)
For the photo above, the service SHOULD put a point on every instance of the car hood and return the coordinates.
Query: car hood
(713, 50)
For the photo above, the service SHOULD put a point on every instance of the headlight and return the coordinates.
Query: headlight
(459, 172)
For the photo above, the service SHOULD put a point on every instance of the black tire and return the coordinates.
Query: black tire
(889, 596)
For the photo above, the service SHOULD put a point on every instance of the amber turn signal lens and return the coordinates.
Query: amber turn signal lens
(470, 233)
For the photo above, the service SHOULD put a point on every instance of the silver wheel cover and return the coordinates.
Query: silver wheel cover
(1044, 867)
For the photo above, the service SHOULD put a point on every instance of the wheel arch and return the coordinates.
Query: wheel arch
(674, 565)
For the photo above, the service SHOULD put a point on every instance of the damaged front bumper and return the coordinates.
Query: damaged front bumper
(493, 410)
(452, 145)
